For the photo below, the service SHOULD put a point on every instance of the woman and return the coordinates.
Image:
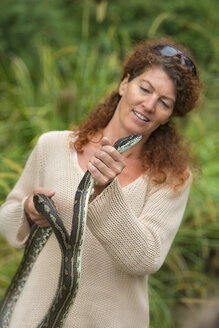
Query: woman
(138, 201)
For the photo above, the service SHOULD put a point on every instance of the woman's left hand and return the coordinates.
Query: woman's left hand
(105, 165)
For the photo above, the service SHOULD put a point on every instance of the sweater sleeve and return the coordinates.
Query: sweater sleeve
(13, 222)
(139, 245)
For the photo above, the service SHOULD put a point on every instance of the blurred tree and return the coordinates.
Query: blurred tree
(23, 23)
(63, 22)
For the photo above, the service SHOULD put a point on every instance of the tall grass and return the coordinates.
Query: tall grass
(62, 89)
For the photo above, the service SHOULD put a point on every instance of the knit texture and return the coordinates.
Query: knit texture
(128, 235)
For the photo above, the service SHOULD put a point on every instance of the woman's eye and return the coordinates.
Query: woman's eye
(144, 89)
(164, 104)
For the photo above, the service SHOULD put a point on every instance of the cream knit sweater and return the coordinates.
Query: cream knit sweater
(128, 235)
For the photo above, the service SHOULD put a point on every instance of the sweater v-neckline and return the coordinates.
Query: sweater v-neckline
(75, 158)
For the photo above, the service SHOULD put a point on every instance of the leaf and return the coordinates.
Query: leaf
(13, 165)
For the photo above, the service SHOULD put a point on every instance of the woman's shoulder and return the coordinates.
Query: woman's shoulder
(173, 185)
(182, 181)
(56, 137)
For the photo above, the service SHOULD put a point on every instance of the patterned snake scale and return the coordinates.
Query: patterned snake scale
(71, 250)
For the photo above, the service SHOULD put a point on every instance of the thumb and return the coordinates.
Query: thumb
(105, 142)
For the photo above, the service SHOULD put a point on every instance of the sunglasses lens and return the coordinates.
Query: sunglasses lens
(189, 64)
(170, 51)
(167, 51)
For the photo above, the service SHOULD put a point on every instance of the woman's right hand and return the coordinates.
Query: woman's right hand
(31, 213)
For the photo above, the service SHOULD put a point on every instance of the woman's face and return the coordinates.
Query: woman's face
(146, 102)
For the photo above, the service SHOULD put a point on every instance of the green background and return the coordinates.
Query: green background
(58, 59)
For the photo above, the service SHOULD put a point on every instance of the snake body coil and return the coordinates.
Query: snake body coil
(70, 246)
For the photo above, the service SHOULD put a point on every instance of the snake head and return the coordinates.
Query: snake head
(123, 144)
(41, 202)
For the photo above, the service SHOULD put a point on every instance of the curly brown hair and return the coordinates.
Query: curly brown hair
(163, 154)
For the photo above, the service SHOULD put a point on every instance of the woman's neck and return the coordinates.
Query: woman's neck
(113, 133)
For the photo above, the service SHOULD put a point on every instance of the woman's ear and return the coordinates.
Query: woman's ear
(123, 85)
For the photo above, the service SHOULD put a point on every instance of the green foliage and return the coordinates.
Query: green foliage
(61, 23)
(24, 22)
(58, 63)
(9, 260)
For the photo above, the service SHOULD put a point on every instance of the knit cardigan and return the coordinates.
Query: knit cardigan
(128, 235)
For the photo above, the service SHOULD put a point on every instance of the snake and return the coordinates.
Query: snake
(71, 247)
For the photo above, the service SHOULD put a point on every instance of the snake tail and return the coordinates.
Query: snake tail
(35, 243)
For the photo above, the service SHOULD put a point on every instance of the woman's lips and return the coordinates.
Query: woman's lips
(140, 116)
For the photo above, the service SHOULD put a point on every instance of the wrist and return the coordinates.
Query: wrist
(98, 188)
(96, 191)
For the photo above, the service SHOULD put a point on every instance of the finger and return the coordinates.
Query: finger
(112, 152)
(43, 224)
(102, 156)
(39, 220)
(114, 162)
(47, 192)
(98, 177)
(30, 208)
(37, 217)
(105, 141)
(110, 169)
(108, 147)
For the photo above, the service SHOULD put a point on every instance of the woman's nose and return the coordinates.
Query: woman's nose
(150, 103)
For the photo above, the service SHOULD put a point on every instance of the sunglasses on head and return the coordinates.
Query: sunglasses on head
(169, 51)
